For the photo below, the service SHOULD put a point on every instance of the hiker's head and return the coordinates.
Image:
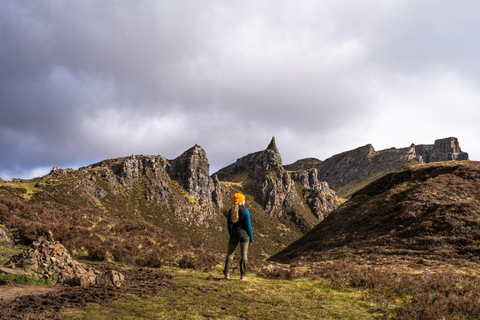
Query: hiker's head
(238, 198)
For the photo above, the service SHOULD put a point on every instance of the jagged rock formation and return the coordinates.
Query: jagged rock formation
(180, 196)
(275, 188)
(264, 172)
(163, 181)
(255, 163)
(191, 170)
(349, 171)
(50, 260)
(320, 198)
(419, 211)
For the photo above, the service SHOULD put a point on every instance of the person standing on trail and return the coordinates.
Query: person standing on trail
(240, 231)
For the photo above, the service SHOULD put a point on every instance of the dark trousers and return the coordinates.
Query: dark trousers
(232, 245)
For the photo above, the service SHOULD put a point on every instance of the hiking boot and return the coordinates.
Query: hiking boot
(243, 278)
(227, 276)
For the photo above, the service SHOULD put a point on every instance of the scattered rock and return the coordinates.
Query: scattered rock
(5, 235)
(110, 278)
(49, 259)
(13, 271)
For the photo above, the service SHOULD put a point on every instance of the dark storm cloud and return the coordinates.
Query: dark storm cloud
(88, 80)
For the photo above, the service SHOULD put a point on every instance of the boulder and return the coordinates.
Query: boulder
(13, 271)
(110, 278)
(5, 235)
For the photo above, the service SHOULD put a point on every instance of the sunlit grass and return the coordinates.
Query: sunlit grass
(28, 186)
(197, 295)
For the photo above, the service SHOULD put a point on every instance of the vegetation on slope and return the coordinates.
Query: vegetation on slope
(420, 211)
(92, 234)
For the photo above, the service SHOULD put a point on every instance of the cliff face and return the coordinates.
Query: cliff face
(349, 171)
(442, 150)
(182, 186)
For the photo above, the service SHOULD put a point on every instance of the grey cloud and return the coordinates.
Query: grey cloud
(88, 80)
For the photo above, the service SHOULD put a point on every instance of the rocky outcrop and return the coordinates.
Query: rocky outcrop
(218, 193)
(320, 198)
(183, 184)
(303, 164)
(115, 175)
(5, 235)
(447, 149)
(255, 163)
(271, 184)
(49, 259)
(191, 171)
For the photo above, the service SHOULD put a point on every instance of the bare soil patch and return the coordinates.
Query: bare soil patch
(10, 292)
(33, 302)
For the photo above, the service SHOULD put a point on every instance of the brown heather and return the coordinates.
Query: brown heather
(91, 234)
(423, 211)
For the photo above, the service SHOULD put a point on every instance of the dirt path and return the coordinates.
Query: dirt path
(8, 293)
(29, 302)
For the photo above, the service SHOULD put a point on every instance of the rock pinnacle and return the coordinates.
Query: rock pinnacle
(272, 145)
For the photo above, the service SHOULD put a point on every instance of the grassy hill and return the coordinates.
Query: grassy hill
(421, 211)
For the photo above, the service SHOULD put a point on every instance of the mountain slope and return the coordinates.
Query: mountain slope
(422, 210)
(179, 195)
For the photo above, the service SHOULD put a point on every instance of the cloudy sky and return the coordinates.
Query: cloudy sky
(84, 81)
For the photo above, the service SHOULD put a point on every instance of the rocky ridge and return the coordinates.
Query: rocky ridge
(180, 196)
(161, 179)
(349, 171)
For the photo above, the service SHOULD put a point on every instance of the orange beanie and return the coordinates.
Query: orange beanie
(238, 197)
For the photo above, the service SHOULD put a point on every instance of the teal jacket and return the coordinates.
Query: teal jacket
(242, 228)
